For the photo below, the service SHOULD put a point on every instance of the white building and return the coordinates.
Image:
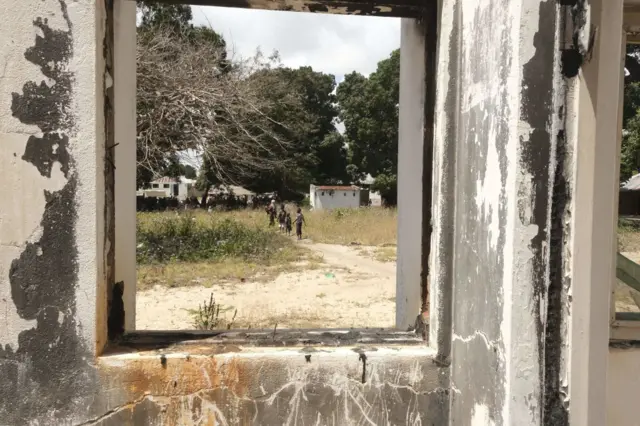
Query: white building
(334, 197)
(180, 188)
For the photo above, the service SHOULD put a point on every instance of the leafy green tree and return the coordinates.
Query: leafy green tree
(176, 17)
(304, 113)
(189, 171)
(369, 110)
(629, 157)
(387, 186)
(333, 163)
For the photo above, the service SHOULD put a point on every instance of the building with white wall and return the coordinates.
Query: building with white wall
(337, 197)
(180, 188)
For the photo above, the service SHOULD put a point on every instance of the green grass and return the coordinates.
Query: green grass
(176, 250)
(366, 226)
(201, 248)
(191, 238)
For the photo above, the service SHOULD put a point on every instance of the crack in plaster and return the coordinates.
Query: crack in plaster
(478, 334)
(113, 411)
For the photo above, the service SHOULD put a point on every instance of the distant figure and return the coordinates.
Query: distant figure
(287, 224)
(299, 222)
(282, 216)
(271, 212)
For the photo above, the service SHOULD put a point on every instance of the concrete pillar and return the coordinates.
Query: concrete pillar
(125, 154)
(52, 227)
(505, 212)
(522, 118)
(595, 133)
(410, 145)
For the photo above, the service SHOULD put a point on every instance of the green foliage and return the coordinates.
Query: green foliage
(629, 156)
(317, 153)
(387, 186)
(189, 171)
(630, 151)
(207, 317)
(160, 14)
(163, 238)
(369, 110)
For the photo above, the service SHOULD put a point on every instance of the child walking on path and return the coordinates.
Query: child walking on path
(282, 216)
(288, 223)
(299, 222)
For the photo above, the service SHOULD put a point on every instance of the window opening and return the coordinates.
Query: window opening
(194, 241)
(626, 287)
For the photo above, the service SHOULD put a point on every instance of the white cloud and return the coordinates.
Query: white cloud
(335, 44)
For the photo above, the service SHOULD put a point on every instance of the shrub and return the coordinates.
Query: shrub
(207, 317)
(185, 237)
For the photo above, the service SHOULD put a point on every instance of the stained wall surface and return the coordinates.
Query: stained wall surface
(56, 105)
(500, 210)
(502, 182)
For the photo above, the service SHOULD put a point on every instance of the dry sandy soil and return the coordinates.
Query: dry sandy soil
(349, 289)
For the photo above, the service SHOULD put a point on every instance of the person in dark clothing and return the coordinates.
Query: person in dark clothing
(299, 222)
(271, 212)
(282, 216)
(287, 223)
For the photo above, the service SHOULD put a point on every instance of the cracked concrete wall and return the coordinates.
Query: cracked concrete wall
(57, 98)
(283, 387)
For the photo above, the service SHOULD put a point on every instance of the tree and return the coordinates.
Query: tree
(630, 152)
(316, 153)
(189, 171)
(332, 166)
(156, 15)
(369, 110)
(241, 116)
(187, 101)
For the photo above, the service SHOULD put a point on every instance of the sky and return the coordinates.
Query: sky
(334, 44)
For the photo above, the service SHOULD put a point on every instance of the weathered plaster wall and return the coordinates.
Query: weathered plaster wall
(49, 265)
(500, 204)
(58, 95)
(282, 387)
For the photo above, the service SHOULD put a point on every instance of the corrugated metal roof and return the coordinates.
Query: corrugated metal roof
(165, 179)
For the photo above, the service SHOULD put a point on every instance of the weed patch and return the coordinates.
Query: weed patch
(187, 238)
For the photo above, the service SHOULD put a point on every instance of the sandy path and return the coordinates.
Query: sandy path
(349, 290)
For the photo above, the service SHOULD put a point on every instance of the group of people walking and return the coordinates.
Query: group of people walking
(284, 219)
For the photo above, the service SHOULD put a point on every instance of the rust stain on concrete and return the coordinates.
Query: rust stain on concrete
(175, 376)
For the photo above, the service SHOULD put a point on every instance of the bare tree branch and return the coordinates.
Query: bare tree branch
(190, 97)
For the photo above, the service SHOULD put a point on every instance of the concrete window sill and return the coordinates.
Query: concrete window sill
(238, 379)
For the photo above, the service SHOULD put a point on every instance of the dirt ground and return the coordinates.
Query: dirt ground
(350, 288)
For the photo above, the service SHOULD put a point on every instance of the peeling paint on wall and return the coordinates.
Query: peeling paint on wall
(47, 376)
